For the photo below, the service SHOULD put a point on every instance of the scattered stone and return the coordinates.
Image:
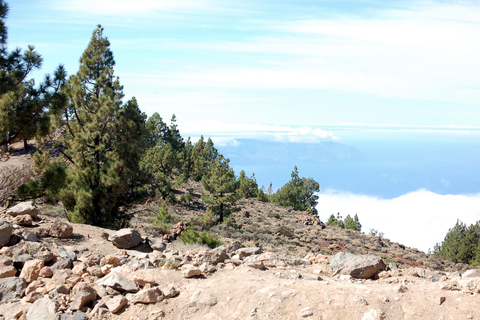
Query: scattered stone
(60, 229)
(31, 270)
(78, 315)
(190, 271)
(157, 244)
(306, 312)
(207, 268)
(374, 314)
(46, 272)
(400, 289)
(62, 264)
(146, 296)
(6, 229)
(118, 282)
(43, 309)
(24, 208)
(441, 300)
(23, 220)
(66, 254)
(116, 303)
(215, 256)
(26, 250)
(81, 299)
(170, 291)
(125, 238)
(110, 260)
(11, 288)
(234, 246)
(29, 236)
(12, 310)
(255, 265)
(201, 300)
(157, 314)
(471, 273)
(246, 252)
(7, 269)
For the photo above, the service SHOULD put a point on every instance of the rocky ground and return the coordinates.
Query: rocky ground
(51, 269)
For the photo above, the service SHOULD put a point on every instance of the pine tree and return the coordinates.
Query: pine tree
(299, 193)
(247, 187)
(25, 109)
(104, 140)
(450, 247)
(352, 223)
(219, 182)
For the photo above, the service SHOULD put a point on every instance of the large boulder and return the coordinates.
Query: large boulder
(125, 238)
(5, 232)
(24, 208)
(360, 267)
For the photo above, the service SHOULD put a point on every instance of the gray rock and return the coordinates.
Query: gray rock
(11, 288)
(66, 254)
(24, 208)
(471, 273)
(43, 309)
(62, 264)
(29, 236)
(157, 244)
(118, 282)
(125, 238)
(360, 267)
(6, 229)
(78, 315)
(306, 312)
(255, 265)
(26, 250)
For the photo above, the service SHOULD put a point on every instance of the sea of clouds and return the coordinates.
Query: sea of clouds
(418, 219)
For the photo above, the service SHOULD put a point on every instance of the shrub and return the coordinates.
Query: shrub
(190, 236)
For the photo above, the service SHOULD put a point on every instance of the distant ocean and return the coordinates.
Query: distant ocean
(383, 168)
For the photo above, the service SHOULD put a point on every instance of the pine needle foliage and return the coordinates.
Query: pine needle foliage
(104, 142)
(219, 182)
(25, 108)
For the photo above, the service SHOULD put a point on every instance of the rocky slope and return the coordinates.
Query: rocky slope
(51, 269)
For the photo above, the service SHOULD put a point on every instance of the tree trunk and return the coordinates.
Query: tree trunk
(25, 144)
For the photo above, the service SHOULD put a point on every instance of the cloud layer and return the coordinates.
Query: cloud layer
(418, 219)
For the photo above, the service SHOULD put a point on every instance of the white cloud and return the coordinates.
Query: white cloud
(418, 219)
(224, 132)
(124, 7)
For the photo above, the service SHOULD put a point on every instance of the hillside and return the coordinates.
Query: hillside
(286, 274)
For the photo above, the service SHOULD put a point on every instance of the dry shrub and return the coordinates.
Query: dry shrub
(12, 177)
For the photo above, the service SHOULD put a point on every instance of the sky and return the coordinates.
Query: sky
(353, 72)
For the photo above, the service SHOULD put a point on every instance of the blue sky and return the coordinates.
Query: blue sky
(370, 74)
(248, 66)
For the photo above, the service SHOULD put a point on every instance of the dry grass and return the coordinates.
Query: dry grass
(12, 177)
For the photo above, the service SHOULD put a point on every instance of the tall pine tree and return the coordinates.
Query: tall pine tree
(219, 181)
(25, 108)
(104, 141)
